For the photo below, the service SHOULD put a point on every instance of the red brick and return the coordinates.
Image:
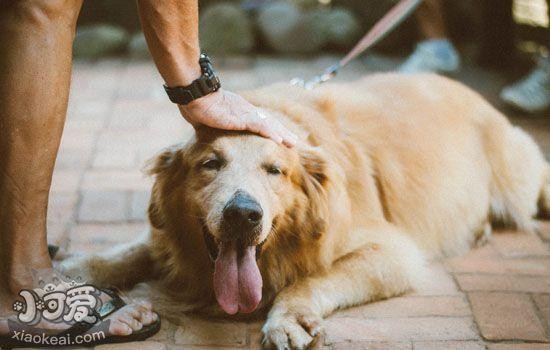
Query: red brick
(506, 316)
(72, 159)
(399, 329)
(61, 207)
(529, 346)
(65, 181)
(449, 345)
(117, 180)
(516, 245)
(94, 238)
(116, 158)
(439, 282)
(196, 331)
(543, 228)
(509, 283)
(139, 202)
(144, 345)
(523, 266)
(543, 304)
(103, 206)
(411, 306)
(370, 345)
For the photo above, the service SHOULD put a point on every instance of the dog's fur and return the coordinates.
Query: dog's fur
(391, 170)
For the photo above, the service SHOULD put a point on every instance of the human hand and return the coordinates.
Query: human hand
(228, 111)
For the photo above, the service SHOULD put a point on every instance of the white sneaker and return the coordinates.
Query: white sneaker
(532, 93)
(438, 56)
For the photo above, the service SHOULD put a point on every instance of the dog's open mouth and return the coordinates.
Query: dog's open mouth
(237, 278)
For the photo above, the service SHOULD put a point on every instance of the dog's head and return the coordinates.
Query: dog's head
(239, 191)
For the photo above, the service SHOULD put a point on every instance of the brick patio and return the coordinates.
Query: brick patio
(496, 297)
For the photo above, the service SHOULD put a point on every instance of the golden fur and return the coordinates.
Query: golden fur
(391, 170)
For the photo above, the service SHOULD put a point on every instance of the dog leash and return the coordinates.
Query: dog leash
(384, 26)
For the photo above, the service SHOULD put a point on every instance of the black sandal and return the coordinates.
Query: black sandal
(79, 333)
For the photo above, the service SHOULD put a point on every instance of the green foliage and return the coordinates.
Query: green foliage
(94, 41)
(225, 28)
(288, 30)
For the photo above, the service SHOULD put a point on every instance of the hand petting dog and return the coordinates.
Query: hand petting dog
(228, 111)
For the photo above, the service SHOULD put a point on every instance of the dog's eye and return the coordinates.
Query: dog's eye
(274, 170)
(213, 164)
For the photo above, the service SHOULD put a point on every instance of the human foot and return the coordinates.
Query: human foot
(75, 313)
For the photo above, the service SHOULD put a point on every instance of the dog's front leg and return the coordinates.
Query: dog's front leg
(388, 265)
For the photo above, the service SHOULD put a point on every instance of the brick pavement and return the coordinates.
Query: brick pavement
(496, 297)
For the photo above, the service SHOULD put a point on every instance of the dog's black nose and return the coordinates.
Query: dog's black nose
(242, 212)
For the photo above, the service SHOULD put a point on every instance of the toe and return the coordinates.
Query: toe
(117, 327)
(129, 316)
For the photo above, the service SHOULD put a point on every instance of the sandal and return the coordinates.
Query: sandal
(80, 334)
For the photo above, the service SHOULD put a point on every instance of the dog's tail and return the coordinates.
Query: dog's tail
(521, 177)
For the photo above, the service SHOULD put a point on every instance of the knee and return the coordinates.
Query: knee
(43, 13)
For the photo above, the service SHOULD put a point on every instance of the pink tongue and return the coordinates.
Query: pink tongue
(237, 284)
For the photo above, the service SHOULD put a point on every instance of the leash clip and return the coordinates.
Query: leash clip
(318, 79)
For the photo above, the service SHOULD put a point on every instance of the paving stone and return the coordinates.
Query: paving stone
(74, 159)
(411, 306)
(61, 207)
(118, 180)
(497, 265)
(370, 345)
(116, 158)
(195, 331)
(516, 245)
(449, 345)
(65, 181)
(139, 202)
(508, 283)
(506, 316)
(399, 329)
(543, 304)
(144, 345)
(544, 229)
(94, 238)
(103, 206)
(524, 346)
(440, 282)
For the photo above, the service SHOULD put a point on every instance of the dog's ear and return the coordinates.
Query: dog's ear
(315, 183)
(167, 167)
(315, 164)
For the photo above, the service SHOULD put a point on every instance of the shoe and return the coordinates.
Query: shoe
(532, 93)
(438, 56)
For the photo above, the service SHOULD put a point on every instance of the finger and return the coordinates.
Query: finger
(270, 132)
(289, 138)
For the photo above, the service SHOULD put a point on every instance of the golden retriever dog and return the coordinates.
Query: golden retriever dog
(391, 170)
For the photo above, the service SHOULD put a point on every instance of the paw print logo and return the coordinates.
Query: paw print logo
(49, 288)
(72, 284)
(40, 305)
(18, 306)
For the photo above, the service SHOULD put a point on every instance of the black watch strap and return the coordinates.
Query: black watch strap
(206, 84)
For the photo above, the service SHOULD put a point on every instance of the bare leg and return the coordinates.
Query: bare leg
(430, 18)
(35, 70)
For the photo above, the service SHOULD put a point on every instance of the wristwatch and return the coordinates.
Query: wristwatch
(206, 84)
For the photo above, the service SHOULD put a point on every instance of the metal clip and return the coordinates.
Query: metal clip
(318, 79)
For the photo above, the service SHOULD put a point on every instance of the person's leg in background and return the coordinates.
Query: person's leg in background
(435, 53)
(531, 94)
(35, 72)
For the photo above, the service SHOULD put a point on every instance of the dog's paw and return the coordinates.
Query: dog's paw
(291, 331)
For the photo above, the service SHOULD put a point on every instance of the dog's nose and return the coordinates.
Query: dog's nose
(242, 212)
